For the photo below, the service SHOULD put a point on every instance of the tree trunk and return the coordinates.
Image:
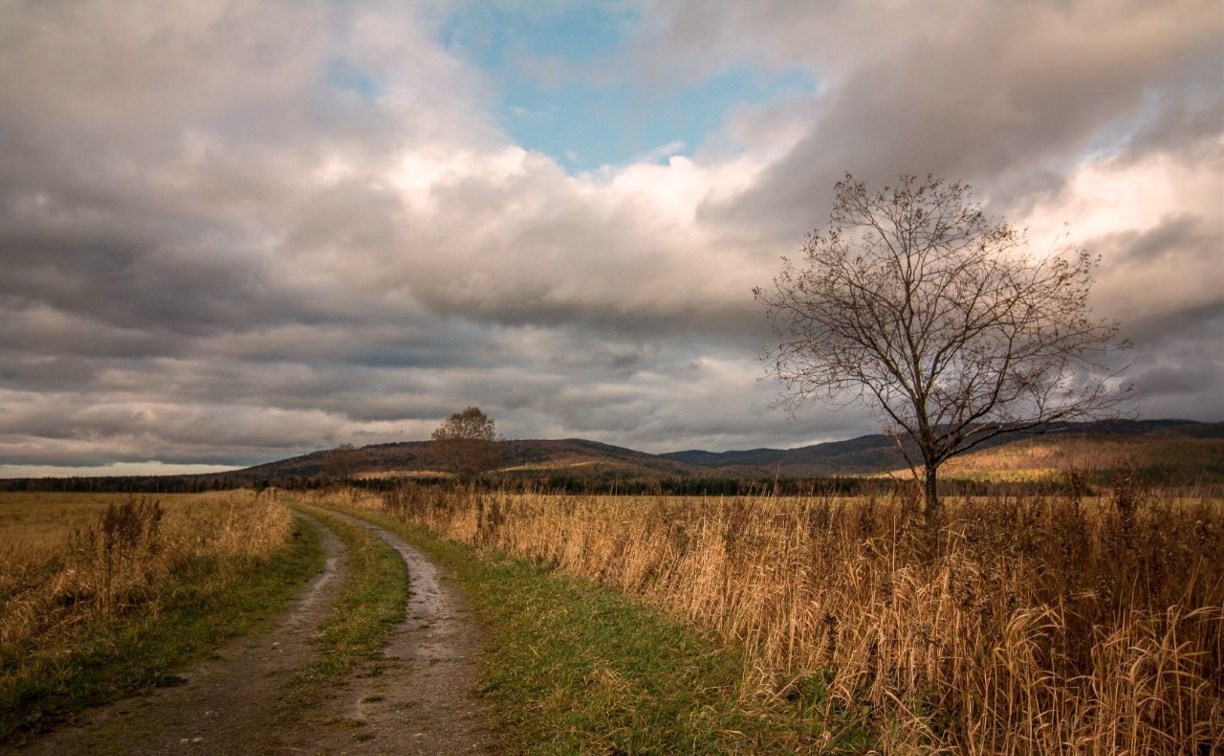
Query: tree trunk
(931, 489)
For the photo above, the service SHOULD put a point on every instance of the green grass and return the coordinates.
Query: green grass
(572, 667)
(371, 604)
(140, 650)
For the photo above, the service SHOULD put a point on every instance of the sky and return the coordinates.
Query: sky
(232, 232)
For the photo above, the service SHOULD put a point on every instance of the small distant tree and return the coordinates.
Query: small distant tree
(340, 462)
(940, 320)
(466, 444)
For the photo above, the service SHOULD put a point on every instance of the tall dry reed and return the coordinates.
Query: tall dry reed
(1021, 625)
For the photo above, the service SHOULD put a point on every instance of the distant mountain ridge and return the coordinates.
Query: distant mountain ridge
(1174, 451)
(876, 453)
(865, 455)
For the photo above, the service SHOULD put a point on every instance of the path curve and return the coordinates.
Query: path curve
(228, 704)
(415, 699)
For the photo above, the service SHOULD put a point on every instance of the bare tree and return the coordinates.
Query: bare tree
(466, 444)
(939, 319)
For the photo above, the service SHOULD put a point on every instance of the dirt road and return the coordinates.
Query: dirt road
(413, 700)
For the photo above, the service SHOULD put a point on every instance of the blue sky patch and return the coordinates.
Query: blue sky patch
(342, 74)
(564, 88)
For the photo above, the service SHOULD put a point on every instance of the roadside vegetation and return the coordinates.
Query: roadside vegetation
(102, 596)
(572, 666)
(1013, 624)
(1018, 624)
(369, 607)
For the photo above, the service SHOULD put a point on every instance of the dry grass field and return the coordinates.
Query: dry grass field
(1173, 461)
(81, 574)
(71, 559)
(1021, 625)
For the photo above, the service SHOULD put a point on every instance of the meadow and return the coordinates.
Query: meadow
(1019, 624)
(101, 594)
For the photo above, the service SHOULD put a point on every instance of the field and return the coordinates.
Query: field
(101, 594)
(1020, 625)
(1015, 625)
(1170, 461)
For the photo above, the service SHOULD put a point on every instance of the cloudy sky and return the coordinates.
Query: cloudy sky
(231, 232)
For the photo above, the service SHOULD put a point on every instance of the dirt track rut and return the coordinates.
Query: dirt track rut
(411, 700)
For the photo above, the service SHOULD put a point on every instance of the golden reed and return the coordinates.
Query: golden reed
(1021, 625)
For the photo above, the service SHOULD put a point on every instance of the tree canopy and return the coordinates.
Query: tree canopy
(940, 319)
(466, 444)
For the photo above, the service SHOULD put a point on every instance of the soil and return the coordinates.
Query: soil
(412, 700)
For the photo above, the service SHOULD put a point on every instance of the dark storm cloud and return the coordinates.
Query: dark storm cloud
(1173, 374)
(1178, 234)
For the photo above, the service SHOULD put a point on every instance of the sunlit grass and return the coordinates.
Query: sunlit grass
(369, 607)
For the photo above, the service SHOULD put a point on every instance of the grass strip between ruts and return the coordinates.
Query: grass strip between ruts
(370, 605)
(140, 650)
(574, 667)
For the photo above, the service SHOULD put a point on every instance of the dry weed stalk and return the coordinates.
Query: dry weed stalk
(119, 561)
(1025, 624)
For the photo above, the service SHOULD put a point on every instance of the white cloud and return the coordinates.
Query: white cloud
(1156, 222)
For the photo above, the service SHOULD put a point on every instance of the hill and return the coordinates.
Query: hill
(1175, 452)
(864, 455)
(1165, 452)
(1168, 450)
